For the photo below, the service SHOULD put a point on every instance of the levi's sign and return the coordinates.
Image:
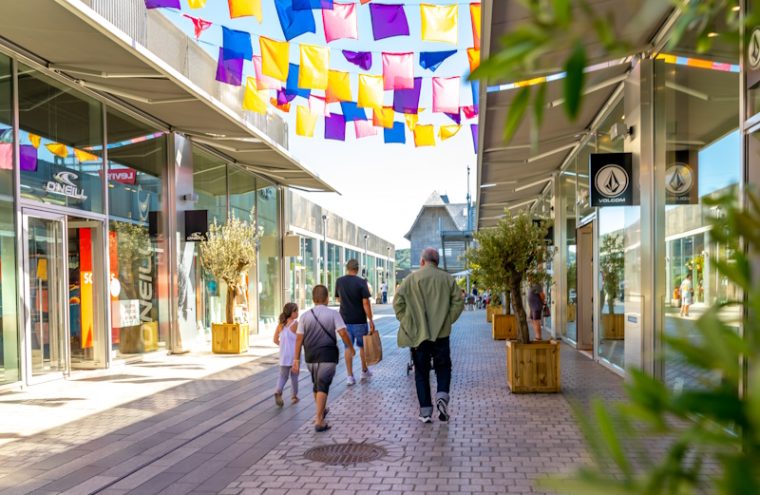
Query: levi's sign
(611, 179)
(123, 175)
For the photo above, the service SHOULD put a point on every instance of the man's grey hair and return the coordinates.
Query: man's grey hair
(430, 255)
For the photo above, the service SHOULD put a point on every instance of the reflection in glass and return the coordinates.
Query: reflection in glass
(267, 215)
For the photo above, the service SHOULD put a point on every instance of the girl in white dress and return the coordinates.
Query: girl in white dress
(285, 337)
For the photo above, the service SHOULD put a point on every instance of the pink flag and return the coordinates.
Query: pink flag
(340, 22)
(318, 105)
(199, 24)
(364, 128)
(446, 94)
(262, 80)
(398, 70)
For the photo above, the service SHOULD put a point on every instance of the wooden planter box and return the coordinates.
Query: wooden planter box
(229, 338)
(504, 327)
(150, 336)
(571, 312)
(492, 310)
(533, 367)
(613, 327)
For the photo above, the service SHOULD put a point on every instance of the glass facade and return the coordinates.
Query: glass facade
(267, 219)
(334, 267)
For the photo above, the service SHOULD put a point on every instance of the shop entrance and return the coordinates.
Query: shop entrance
(585, 317)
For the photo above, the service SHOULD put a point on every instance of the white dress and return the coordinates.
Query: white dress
(287, 345)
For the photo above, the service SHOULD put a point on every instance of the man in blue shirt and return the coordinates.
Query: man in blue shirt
(353, 294)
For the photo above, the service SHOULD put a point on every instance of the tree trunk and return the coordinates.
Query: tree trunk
(507, 302)
(523, 336)
(229, 312)
(611, 303)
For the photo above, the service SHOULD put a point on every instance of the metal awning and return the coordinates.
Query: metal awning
(514, 174)
(119, 49)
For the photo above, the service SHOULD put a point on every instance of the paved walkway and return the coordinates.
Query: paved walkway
(222, 434)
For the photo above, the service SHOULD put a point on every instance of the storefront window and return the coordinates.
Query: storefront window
(139, 279)
(267, 214)
(242, 197)
(61, 143)
(9, 322)
(567, 188)
(333, 265)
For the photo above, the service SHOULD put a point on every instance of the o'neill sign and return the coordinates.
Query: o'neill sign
(63, 184)
(611, 179)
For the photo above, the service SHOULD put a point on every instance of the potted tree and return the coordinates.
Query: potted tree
(485, 260)
(611, 265)
(227, 252)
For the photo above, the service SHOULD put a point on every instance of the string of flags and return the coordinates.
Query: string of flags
(276, 81)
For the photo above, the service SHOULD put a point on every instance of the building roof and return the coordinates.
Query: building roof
(457, 211)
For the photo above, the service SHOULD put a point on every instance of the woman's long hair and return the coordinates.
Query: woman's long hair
(287, 311)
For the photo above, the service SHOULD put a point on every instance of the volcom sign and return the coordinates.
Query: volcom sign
(681, 179)
(63, 184)
(610, 175)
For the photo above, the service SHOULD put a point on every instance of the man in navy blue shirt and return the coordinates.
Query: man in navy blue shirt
(353, 294)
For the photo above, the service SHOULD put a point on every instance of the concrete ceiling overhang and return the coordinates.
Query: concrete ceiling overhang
(516, 173)
(73, 39)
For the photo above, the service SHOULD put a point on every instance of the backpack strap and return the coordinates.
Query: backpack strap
(331, 336)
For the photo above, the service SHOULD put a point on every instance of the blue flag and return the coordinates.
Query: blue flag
(291, 87)
(312, 4)
(352, 112)
(294, 22)
(396, 134)
(433, 60)
(237, 42)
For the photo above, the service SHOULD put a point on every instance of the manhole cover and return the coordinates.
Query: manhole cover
(344, 454)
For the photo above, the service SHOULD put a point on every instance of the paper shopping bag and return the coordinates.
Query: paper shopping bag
(373, 348)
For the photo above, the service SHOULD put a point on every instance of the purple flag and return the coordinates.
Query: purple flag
(335, 127)
(388, 20)
(229, 70)
(28, 157)
(456, 117)
(157, 4)
(283, 96)
(361, 59)
(474, 130)
(408, 100)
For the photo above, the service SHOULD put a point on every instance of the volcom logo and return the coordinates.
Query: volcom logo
(611, 181)
(679, 179)
(63, 184)
(753, 50)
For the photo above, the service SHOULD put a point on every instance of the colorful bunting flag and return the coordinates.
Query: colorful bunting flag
(408, 100)
(199, 25)
(263, 81)
(383, 117)
(424, 135)
(35, 140)
(448, 131)
(439, 22)
(398, 70)
(58, 149)
(27, 157)
(84, 156)
(474, 131)
(335, 127)
(370, 91)
(245, 8)
(237, 42)
(388, 21)
(364, 128)
(294, 23)
(364, 2)
(470, 111)
(196, 4)
(340, 22)
(396, 134)
(338, 86)
(291, 86)
(159, 4)
(411, 120)
(229, 70)
(475, 89)
(473, 55)
(456, 117)
(475, 20)
(312, 4)
(433, 60)
(306, 122)
(283, 107)
(254, 100)
(6, 156)
(275, 58)
(446, 94)
(360, 59)
(315, 61)
(318, 105)
(351, 112)
(283, 96)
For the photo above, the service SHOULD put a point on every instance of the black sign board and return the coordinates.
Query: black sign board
(154, 223)
(196, 225)
(611, 179)
(682, 179)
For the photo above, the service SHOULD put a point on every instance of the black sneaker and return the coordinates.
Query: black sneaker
(443, 409)
(425, 419)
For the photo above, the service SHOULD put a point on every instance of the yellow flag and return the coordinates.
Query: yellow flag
(196, 4)
(440, 22)
(424, 135)
(338, 86)
(411, 120)
(370, 91)
(275, 58)
(475, 18)
(305, 121)
(242, 8)
(35, 140)
(448, 131)
(383, 117)
(83, 156)
(255, 100)
(58, 149)
(473, 55)
(315, 61)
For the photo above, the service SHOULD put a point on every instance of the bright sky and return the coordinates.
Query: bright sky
(382, 186)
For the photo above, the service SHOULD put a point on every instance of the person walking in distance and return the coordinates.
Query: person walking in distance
(426, 305)
(285, 337)
(687, 294)
(384, 291)
(317, 334)
(352, 292)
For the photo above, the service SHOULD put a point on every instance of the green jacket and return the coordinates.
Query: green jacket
(426, 305)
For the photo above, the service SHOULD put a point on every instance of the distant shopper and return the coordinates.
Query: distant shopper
(317, 333)
(353, 294)
(687, 294)
(285, 337)
(426, 305)
(536, 303)
(384, 291)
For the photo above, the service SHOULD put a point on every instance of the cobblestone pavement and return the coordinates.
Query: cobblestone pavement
(225, 436)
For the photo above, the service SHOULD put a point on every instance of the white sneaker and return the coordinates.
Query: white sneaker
(351, 380)
(425, 419)
(366, 375)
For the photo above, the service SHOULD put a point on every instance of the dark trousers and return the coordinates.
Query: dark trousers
(440, 352)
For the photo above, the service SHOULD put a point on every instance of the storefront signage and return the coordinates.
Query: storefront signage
(681, 187)
(196, 225)
(753, 59)
(145, 285)
(611, 179)
(63, 184)
(123, 175)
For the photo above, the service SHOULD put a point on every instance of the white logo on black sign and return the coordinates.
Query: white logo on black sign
(753, 50)
(679, 179)
(611, 181)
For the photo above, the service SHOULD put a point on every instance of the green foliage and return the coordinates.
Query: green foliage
(403, 259)
(717, 422)
(611, 266)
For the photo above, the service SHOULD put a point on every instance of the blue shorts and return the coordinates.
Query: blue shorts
(356, 333)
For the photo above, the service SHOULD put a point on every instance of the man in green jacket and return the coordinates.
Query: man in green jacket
(426, 305)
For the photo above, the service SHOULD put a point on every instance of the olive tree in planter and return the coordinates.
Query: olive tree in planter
(611, 266)
(228, 251)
